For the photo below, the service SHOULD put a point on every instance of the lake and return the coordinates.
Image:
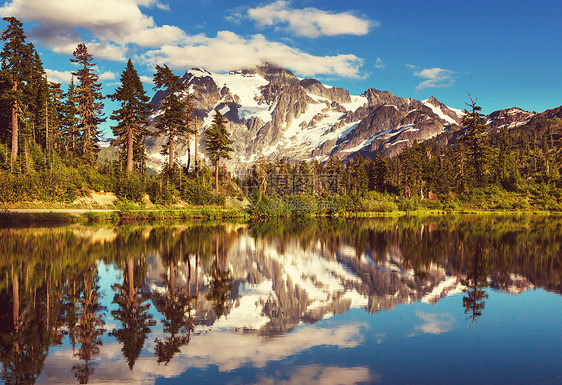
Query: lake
(412, 300)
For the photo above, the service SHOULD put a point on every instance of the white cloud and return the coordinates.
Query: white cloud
(310, 22)
(117, 29)
(146, 79)
(321, 375)
(435, 78)
(229, 51)
(107, 75)
(226, 350)
(164, 7)
(435, 323)
(379, 63)
(62, 77)
(113, 24)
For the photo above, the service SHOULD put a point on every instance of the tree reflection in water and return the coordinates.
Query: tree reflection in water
(90, 327)
(174, 304)
(221, 283)
(50, 293)
(476, 281)
(132, 313)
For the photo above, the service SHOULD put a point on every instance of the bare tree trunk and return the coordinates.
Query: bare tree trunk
(74, 140)
(86, 149)
(130, 280)
(189, 275)
(14, 128)
(46, 128)
(48, 279)
(172, 279)
(188, 151)
(217, 266)
(196, 144)
(129, 150)
(196, 281)
(15, 300)
(217, 173)
(171, 154)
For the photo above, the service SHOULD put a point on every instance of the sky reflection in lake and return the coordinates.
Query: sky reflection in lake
(442, 300)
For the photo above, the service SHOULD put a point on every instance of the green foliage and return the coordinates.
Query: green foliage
(158, 193)
(476, 140)
(131, 188)
(198, 193)
(48, 152)
(217, 144)
(409, 204)
(176, 109)
(88, 103)
(377, 202)
(131, 117)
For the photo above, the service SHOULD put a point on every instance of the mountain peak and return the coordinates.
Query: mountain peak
(273, 73)
(275, 114)
(433, 101)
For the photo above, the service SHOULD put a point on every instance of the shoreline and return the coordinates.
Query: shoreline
(22, 216)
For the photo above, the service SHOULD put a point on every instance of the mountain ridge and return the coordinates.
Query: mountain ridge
(274, 114)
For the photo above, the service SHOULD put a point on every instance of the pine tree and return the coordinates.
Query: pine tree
(380, 174)
(54, 116)
(474, 124)
(132, 117)
(359, 180)
(173, 123)
(187, 100)
(37, 95)
(333, 182)
(88, 99)
(70, 120)
(15, 70)
(217, 144)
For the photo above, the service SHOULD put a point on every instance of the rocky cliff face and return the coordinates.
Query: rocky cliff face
(508, 119)
(273, 114)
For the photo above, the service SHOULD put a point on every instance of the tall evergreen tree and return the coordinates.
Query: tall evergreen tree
(173, 123)
(70, 120)
(15, 70)
(217, 144)
(132, 117)
(333, 182)
(380, 173)
(55, 115)
(474, 124)
(37, 95)
(88, 99)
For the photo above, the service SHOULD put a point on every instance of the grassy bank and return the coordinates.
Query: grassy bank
(57, 215)
(123, 213)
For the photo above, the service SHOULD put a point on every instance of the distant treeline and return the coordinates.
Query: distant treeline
(512, 170)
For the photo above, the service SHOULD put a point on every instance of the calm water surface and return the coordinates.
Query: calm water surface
(394, 301)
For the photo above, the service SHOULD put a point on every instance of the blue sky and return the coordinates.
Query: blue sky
(505, 53)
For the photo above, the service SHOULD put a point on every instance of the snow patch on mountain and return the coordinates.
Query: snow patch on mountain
(437, 111)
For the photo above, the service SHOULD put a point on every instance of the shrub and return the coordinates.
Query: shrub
(131, 188)
(377, 202)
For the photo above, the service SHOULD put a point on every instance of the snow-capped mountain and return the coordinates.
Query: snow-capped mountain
(508, 118)
(274, 114)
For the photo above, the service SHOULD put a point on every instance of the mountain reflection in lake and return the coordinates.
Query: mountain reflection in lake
(410, 300)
